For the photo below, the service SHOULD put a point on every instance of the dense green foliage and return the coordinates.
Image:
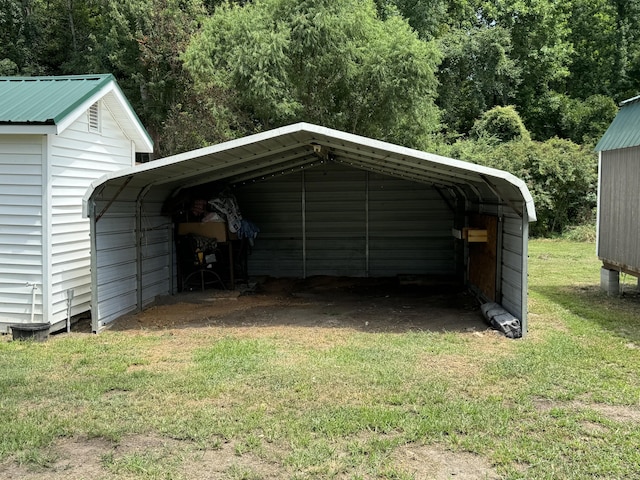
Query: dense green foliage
(502, 124)
(419, 73)
(561, 175)
(332, 63)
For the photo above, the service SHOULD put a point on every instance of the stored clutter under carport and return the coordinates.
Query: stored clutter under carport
(326, 203)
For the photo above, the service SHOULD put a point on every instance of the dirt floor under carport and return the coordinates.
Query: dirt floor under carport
(372, 304)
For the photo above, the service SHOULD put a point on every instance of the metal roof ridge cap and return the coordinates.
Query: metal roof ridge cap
(229, 144)
(629, 100)
(54, 78)
(105, 79)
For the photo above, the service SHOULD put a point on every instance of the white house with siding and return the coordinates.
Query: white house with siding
(57, 135)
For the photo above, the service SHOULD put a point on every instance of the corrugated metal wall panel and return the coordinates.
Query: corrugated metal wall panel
(619, 213)
(158, 270)
(275, 206)
(77, 158)
(116, 267)
(117, 255)
(409, 229)
(511, 282)
(335, 221)
(409, 225)
(20, 227)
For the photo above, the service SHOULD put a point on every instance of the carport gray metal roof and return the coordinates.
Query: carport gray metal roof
(288, 149)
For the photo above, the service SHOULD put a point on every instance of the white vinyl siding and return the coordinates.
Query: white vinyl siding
(78, 156)
(20, 226)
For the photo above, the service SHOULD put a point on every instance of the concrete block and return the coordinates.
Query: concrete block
(610, 281)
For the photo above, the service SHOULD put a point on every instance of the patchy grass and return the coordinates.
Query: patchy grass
(562, 403)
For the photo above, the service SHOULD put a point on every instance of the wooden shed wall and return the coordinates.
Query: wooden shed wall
(619, 208)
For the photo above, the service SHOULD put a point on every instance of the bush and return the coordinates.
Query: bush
(581, 233)
(500, 123)
(561, 176)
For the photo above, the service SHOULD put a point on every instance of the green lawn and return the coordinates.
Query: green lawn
(562, 403)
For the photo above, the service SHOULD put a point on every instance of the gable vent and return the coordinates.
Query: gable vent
(94, 118)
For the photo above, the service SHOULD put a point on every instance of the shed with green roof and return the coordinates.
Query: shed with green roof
(57, 135)
(618, 236)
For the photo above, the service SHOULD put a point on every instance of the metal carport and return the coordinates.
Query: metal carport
(313, 187)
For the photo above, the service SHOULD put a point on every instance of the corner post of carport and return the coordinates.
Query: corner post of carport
(139, 239)
(93, 255)
(524, 292)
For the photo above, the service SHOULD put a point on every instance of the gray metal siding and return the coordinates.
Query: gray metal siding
(116, 268)
(512, 263)
(21, 217)
(335, 221)
(409, 229)
(408, 225)
(619, 212)
(156, 249)
(119, 276)
(276, 207)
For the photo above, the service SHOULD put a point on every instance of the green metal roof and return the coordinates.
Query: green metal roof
(624, 131)
(31, 104)
(45, 100)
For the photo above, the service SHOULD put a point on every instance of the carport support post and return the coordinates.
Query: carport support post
(366, 221)
(303, 199)
(139, 284)
(93, 254)
(524, 321)
(499, 233)
(139, 254)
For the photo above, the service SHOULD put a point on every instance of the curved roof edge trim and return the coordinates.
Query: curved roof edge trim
(308, 128)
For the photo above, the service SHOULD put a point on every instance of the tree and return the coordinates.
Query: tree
(476, 74)
(426, 17)
(594, 39)
(502, 124)
(21, 37)
(539, 31)
(328, 62)
(163, 87)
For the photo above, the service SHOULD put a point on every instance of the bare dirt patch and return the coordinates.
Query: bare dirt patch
(93, 458)
(616, 413)
(72, 459)
(370, 305)
(434, 463)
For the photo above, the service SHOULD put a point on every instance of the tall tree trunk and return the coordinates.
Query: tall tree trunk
(72, 27)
